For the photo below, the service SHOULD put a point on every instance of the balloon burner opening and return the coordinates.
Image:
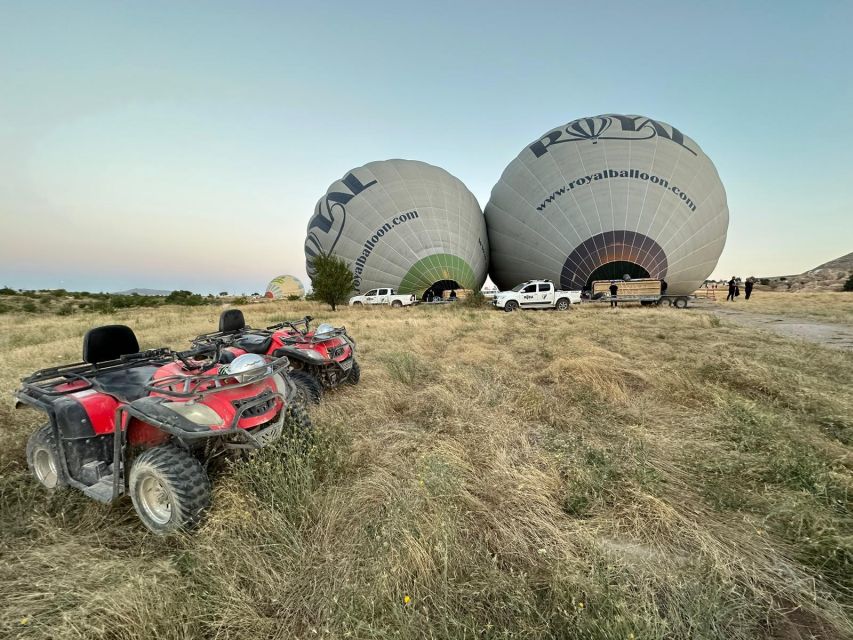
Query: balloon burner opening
(616, 271)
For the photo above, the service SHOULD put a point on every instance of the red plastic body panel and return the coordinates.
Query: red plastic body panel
(101, 407)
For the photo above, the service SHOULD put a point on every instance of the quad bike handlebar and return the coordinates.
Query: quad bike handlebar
(293, 325)
(187, 387)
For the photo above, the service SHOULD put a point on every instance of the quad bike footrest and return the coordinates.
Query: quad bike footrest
(102, 490)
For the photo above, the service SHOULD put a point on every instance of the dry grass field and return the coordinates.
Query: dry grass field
(639, 473)
(820, 306)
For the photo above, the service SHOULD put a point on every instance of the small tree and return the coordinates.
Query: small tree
(848, 286)
(333, 281)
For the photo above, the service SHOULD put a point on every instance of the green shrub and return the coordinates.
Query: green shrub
(240, 300)
(848, 286)
(29, 307)
(185, 298)
(65, 310)
(293, 297)
(6, 291)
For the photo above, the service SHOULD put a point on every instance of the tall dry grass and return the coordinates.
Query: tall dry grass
(645, 473)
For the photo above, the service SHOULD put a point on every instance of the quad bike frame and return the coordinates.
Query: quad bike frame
(283, 338)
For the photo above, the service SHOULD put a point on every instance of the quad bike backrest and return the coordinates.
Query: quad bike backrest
(231, 320)
(109, 342)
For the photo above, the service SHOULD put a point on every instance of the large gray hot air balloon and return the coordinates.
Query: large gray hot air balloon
(402, 224)
(606, 196)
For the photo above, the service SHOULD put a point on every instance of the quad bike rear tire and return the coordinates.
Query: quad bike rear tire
(169, 488)
(43, 459)
(310, 389)
(510, 306)
(354, 373)
(396, 304)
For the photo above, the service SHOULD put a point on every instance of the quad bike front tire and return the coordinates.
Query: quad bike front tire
(510, 306)
(169, 488)
(309, 389)
(354, 373)
(298, 427)
(43, 458)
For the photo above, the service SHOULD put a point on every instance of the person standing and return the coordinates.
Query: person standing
(614, 289)
(747, 288)
(732, 289)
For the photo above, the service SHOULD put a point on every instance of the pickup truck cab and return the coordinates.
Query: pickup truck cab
(536, 294)
(383, 296)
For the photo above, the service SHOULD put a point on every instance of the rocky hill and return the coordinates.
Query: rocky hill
(144, 292)
(829, 276)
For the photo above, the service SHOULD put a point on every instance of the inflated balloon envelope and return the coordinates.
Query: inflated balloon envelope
(403, 224)
(606, 196)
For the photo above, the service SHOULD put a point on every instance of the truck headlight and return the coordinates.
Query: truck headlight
(198, 413)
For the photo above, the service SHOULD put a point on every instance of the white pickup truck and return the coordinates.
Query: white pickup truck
(383, 296)
(536, 294)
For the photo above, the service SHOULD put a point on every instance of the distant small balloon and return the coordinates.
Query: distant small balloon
(284, 287)
(606, 197)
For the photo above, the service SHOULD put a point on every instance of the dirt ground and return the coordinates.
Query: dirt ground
(835, 335)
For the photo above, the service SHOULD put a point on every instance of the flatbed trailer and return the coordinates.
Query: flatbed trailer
(645, 291)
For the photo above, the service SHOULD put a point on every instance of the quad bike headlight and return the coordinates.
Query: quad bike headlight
(248, 367)
(312, 355)
(197, 413)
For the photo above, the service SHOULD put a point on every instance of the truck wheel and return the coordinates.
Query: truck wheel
(43, 458)
(396, 304)
(169, 488)
(308, 387)
(510, 306)
(664, 302)
(680, 303)
(354, 373)
(357, 304)
(563, 304)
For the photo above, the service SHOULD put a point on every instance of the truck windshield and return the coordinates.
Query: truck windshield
(519, 287)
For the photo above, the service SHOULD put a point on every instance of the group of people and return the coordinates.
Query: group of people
(435, 296)
(734, 288)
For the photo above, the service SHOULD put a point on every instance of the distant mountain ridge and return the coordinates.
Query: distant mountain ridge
(143, 292)
(830, 276)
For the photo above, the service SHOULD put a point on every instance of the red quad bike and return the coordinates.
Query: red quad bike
(320, 359)
(148, 423)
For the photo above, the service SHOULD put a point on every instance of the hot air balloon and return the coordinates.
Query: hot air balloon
(284, 287)
(403, 224)
(606, 197)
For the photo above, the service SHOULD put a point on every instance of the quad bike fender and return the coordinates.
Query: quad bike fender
(305, 356)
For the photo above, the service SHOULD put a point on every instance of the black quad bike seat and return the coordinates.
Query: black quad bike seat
(231, 321)
(254, 343)
(111, 342)
(126, 384)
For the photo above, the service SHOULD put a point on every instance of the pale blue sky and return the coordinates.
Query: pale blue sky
(184, 144)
